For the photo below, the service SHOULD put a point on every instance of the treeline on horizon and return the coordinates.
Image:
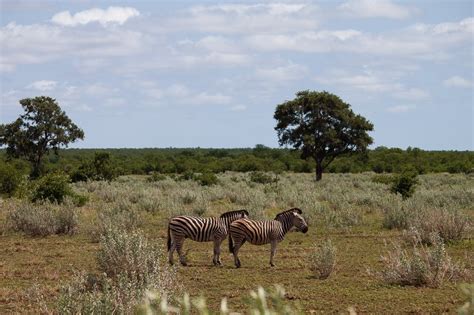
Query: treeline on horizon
(260, 158)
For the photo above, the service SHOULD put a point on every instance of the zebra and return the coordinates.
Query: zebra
(264, 232)
(200, 230)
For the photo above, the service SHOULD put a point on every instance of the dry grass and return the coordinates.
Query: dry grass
(348, 209)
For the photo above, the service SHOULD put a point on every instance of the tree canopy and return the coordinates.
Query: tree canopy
(43, 127)
(322, 126)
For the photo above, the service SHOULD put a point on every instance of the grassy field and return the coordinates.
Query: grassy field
(350, 210)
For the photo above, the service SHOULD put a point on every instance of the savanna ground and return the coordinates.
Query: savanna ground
(350, 210)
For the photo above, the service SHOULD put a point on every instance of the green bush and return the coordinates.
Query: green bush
(53, 187)
(156, 177)
(10, 179)
(207, 179)
(383, 179)
(100, 168)
(404, 184)
(263, 178)
(188, 175)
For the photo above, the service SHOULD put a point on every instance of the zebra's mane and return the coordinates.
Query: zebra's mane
(230, 213)
(288, 211)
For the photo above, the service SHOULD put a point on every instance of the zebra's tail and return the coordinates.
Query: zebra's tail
(169, 238)
(231, 244)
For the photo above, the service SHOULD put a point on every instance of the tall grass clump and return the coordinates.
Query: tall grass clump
(43, 219)
(322, 260)
(468, 306)
(450, 225)
(130, 267)
(422, 266)
(121, 215)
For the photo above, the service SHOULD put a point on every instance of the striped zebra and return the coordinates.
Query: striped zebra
(200, 230)
(264, 232)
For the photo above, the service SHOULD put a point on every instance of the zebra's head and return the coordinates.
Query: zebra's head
(298, 221)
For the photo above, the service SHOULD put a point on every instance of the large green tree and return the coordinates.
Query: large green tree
(322, 126)
(42, 128)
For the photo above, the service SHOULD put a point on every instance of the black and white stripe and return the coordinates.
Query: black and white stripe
(264, 232)
(200, 230)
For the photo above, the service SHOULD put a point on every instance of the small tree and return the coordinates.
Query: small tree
(43, 127)
(322, 126)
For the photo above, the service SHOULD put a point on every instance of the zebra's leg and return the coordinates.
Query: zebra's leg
(179, 249)
(272, 253)
(171, 251)
(217, 251)
(237, 244)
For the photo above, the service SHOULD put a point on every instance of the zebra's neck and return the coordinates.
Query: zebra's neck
(286, 221)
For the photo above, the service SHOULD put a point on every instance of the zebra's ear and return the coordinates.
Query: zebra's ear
(298, 210)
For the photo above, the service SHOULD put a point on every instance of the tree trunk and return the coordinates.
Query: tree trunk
(319, 170)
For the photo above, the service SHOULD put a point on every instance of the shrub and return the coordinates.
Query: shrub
(404, 184)
(397, 216)
(207, 179)
(53, 187)
(43, 219)
(130, 266)
(263, 178)
(322, 260)
(188, 175)
(120, 216)
(10, 179)
(449, 225)
(156, 177)
(383, 179)
(423, 266)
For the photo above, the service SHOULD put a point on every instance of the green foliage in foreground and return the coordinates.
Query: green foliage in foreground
(261, 301)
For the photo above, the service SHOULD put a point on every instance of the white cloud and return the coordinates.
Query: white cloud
(457, 81)
(373, 83)
(375, 8)
(421, 41)
(400, 109)
(238, 108)
(283, 73)
(414, 94)
(40, 43)
(111, 15)
(43, 85)
(243, 18)
(205, 98)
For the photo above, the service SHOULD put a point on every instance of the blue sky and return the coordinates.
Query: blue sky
(209, 74)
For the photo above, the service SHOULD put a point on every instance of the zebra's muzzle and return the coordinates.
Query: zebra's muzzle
(305, 229)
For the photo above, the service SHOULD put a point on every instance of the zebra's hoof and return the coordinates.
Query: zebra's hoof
(272, 264)
(183, 263)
